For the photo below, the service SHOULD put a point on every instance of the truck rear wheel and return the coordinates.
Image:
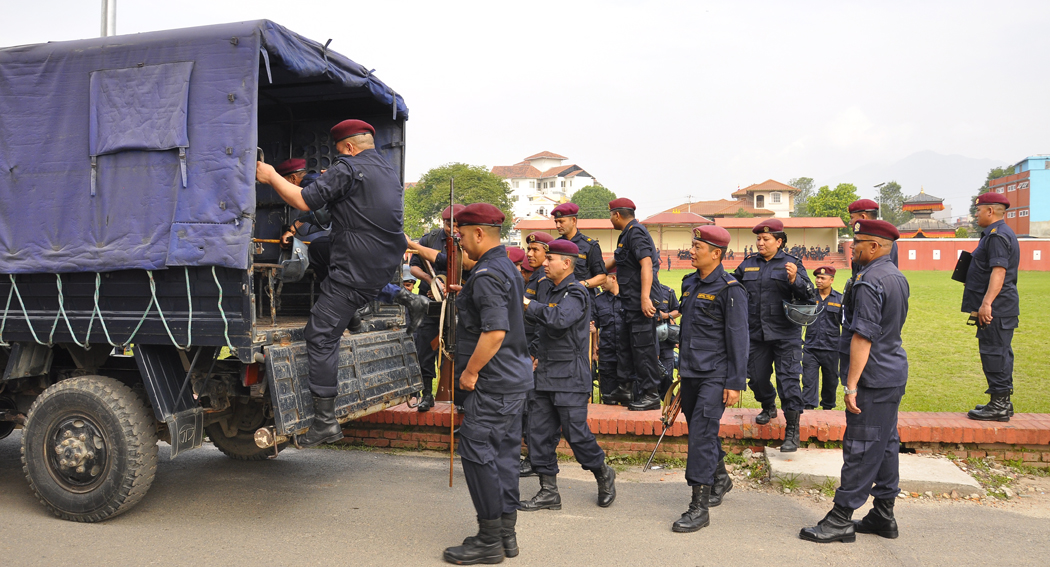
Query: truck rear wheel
(89, 448)
(240, 447)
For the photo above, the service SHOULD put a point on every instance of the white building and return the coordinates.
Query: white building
(540, 182)
(771, 195)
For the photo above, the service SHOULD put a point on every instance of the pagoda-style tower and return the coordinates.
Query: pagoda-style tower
(923, 225)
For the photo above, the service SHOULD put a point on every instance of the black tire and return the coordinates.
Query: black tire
(111, 436)
(240, 447)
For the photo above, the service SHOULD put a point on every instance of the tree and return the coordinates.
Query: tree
(593, 201)
(474, 184)
(994, 173)
(743, 214)
(892, 200)
(805, 187)
(961, 232)
(833, 202)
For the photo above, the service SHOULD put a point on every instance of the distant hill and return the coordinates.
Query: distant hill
(954, 178)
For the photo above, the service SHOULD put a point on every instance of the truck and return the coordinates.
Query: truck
(146, 295)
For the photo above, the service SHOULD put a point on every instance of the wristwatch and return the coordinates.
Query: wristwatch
(586, 284)
(849, 392)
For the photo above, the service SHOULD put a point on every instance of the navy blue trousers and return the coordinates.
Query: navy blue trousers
(871, 448)
(549, 411)
(425, 334)
(786, 355)
(997, 355)
(638, 353)
(490, 447)
(330, 315)
(815, 365)
(702, 407)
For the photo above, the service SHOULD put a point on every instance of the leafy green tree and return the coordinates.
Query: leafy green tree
(474, 184)
(833, 202)
(593, 201)
(805, 187)
(994, 173)
(741, 213)
(961, 232)
(893, 204)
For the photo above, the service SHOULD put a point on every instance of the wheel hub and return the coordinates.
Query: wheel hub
(78, 456)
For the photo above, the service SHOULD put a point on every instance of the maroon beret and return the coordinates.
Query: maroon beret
(527, 267)
(862, 205)
(563, 247)
(516, 255)
(713, 235)
(879, 228)
(768, 225)
(824, 271)
(480, 214)
(291, 166)
(541, 237)
(565, 210)
(621, 203)
(993, 198)
(348, 128)
(447, 213)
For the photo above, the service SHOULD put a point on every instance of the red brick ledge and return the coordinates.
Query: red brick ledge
(816, 425)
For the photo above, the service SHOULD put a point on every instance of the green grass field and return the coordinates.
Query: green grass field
(944, 366)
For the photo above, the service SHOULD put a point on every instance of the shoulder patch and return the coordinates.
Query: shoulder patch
(582, 256)
(994, 230)
(482, 270)
(588, 239)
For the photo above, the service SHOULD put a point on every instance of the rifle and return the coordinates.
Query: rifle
(672, 407)
(447, 329)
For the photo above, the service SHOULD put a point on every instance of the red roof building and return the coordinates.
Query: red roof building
(541, 182)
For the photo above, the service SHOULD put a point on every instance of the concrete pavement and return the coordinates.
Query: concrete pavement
(338, 507)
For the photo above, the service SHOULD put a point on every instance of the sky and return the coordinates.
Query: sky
(663, 101)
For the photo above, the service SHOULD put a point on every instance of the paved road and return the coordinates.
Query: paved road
(334, 507)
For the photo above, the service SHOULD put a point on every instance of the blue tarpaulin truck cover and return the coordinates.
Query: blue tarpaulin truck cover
(138, 151)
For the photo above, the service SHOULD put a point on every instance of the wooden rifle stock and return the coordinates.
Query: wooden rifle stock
(447, 353)
(672, 408)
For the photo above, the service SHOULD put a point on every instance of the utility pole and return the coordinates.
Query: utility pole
(879, 187)
(109, 18)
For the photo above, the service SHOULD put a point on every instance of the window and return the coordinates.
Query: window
(911, 254)
(563, 184)
(774, 198)
(515, 199)
(1022, 213)
(1011, 187)
(760, 201)
(515, 184)
(1011, 215)
(1023, 184)
(532, 184)
(999, 190)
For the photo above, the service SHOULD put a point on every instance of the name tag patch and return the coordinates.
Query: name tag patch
(754, 269)
(705, 296)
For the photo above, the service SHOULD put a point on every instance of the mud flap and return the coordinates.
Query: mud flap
(377, 370)
(186, 429)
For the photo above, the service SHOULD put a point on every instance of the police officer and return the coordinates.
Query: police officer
(772, 277)
(537, 287)
(667, 314)
(821, 352)
(868, 209)
(590, 266)
(991, 297)
(637, 262)
(435, 244)
(607, 322)
(875, 383)
(563, 382)
(492, 360)
(364, 195)
(517, 257)
(713, 368)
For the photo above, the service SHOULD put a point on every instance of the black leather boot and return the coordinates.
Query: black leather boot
(697, 516)
(879, 520)
(606, 478)
(650, 400)
(415, 308)
(547, 498)
(790, 444)
(723, 484)
(485, 548)
(621, 395)
(836, 526)
(765, 415)
(525, 467)
(426, 402)
(507, 534)
(325, 428)
(1009, 405)
(996, 410)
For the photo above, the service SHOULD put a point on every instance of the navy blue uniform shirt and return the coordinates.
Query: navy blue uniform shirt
(563, 328)
(998, 247)
(491, 301)
(537, 288)
(634, 244)
(364, 195)
(824, 333)
(434, 239)
(607, 319)
(715, 339)
(880, 308)
(589, 262)
(768, 288)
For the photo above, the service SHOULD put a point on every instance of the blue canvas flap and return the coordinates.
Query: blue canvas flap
(139, 108)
